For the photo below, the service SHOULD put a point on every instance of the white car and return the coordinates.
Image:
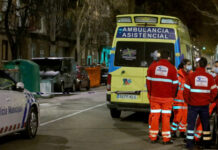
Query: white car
(19, 110)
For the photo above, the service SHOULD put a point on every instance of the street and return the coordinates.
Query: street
(83, 122)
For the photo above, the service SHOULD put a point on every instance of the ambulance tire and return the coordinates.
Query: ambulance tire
(31, 124)
(115, 113)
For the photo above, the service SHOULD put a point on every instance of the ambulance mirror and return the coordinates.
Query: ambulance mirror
(20, 86)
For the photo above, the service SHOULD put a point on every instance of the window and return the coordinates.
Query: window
(146, 19)
(124, 20)
(169, 21)
(67, 65)
(138, 54)
(49, 64)
(189, 53)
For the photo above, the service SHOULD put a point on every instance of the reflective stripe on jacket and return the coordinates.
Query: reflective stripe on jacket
(181, 78)
(200, 88)
(162, 80)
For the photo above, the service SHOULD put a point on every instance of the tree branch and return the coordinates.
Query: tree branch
(205, 13)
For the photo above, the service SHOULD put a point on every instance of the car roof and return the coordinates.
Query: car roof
(52, 58)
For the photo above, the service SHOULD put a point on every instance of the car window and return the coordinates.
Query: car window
(6, 84)
(49, 64)
(67, 65)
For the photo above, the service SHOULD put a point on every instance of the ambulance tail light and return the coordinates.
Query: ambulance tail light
(109, 82)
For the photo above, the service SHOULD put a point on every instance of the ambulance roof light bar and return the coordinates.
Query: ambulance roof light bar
(124, 20)
(169, 21)
(146, 19)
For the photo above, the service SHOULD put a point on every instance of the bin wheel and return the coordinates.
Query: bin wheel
(115, 113)
(88, 86)
(74, 87)
(32, 124)
(62, 88)
(79, 87)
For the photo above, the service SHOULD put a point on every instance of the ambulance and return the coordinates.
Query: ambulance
(136, 38)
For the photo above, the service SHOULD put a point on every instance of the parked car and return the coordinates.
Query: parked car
(19, 110)
(58, 74)
(82, 80)
(104, 74)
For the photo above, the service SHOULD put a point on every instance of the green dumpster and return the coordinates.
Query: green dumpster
(28, 73)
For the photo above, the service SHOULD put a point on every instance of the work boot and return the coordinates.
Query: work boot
(206, 145)
(182, 135)
(153, 141)
(168, 142)
(159, 133)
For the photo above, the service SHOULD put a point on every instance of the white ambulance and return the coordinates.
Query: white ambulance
(19, 110)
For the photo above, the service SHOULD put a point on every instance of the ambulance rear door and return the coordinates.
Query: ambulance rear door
(128, 82)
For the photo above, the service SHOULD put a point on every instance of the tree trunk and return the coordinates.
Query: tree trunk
(12, 43)
(78, 49)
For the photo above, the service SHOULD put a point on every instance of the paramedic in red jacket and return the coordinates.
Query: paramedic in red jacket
(200, 90)
(212, 106)
(179, 105)
(216, 80)
(161, 84)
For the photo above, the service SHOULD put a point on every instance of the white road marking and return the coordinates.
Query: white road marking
(70, 115)
(49, 104)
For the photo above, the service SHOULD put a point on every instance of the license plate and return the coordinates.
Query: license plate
(126, 96)
(104, 75)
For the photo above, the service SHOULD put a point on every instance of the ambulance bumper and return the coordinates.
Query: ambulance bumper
(135, 107)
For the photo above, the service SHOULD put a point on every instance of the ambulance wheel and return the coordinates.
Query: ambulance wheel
(31, 124)
(115, 113)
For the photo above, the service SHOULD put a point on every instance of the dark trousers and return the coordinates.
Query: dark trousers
(193, 112)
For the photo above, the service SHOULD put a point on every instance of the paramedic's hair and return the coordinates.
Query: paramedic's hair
(164, 54)
(202, 62)
(184, 62)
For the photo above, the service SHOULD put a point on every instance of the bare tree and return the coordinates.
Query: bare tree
(16, 21)
(208, 14)
(94, 19)
(81, 12)
(55, 13)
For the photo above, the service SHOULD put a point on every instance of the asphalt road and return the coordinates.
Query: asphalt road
(83, 122)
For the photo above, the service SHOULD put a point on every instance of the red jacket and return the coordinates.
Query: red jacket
(162, 79)
(216, 80)
(200, 88)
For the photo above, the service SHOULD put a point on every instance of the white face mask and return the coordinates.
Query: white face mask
(189, 67)
(216, 69)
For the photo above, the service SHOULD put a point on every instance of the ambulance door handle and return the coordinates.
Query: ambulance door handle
(123, 72)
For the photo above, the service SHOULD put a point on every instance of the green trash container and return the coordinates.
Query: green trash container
(28, 73)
